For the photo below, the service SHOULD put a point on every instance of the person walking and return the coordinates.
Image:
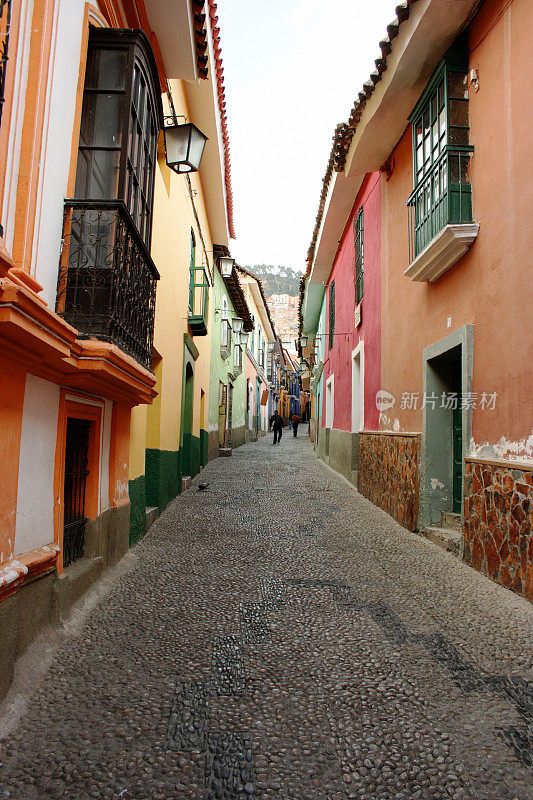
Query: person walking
(276, 423)
(295, 423)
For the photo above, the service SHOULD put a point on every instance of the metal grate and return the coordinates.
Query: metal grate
(76, 458)
(107, 279)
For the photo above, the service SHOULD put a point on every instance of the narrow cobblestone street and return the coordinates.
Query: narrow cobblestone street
(280, 637)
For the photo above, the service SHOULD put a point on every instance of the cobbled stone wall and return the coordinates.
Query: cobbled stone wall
(389, 474)
(498, 524)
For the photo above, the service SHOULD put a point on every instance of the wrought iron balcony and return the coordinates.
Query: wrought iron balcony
(198, 301)
(443, 197)
(107, 279)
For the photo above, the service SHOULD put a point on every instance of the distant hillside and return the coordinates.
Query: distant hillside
(277, 280)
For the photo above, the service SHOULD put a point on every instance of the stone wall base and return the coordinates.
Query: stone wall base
(212, 445)
(389, 473)
(498, 511)
(107, 536)
(23, 615)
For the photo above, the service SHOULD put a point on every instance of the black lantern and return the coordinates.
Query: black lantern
(184, 147)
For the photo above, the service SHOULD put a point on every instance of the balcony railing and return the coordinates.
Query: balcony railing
(198, 301)
(225, 338)
(443, 197)
(107, 279)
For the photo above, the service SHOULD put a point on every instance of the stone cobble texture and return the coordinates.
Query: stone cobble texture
(281, 637)
(389, 473)
(499, 524)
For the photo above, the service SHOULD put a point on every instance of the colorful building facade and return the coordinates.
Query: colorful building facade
(227, 392)
(449, 437)
(256, 367)
(89, 230)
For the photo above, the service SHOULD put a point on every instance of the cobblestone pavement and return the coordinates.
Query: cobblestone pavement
(280, 637)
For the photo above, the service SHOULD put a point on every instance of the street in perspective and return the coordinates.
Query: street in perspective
(266, 416)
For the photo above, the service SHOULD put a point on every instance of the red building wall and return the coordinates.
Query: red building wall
(338, 359)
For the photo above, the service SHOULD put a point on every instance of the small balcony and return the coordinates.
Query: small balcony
(441, 228)
(225, 339)
(107, 280)
(198, 301)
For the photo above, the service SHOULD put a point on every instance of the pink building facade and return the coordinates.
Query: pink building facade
(352, 351)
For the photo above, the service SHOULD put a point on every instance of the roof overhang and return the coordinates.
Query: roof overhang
(204, 112)
(173, 25)
(314, 295)
(422, 40)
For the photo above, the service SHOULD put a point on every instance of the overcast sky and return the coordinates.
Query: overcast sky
(293, 69)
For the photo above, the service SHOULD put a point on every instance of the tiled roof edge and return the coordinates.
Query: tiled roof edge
(221, 97)
(345, 131)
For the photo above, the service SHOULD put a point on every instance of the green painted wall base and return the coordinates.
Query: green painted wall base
(163, 476)
(137, 490)
(191, 452)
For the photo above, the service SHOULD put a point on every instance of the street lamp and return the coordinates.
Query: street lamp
(184, 147)
(271, 346)
(303, 341)
(243, 338)
(225, 264)
(236, 324)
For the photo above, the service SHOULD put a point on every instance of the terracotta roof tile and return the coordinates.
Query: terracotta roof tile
(221, 97)
(344, 132)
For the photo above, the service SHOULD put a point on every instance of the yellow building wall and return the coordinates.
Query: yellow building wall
(156, 434)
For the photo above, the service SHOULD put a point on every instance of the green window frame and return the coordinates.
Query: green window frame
(198, 294)
(359, 224)
(192, 266)
(442, 192)
(331, 314)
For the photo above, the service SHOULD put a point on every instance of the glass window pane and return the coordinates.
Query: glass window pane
(457, 85)
(418, 133)
(458, 136)
(459, 112)
(101, 120)
(106, 69)
(97, 174)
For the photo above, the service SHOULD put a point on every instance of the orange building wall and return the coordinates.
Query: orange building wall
(12, 383)
(491, 286)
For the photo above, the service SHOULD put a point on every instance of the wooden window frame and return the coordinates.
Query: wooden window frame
(140, 60)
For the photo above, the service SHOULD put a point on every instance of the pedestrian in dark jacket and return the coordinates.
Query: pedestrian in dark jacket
(295, 423)
(276, 423)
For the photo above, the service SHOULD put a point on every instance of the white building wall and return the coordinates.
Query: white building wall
(57, 141)
(20, 64)
(35, 501)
